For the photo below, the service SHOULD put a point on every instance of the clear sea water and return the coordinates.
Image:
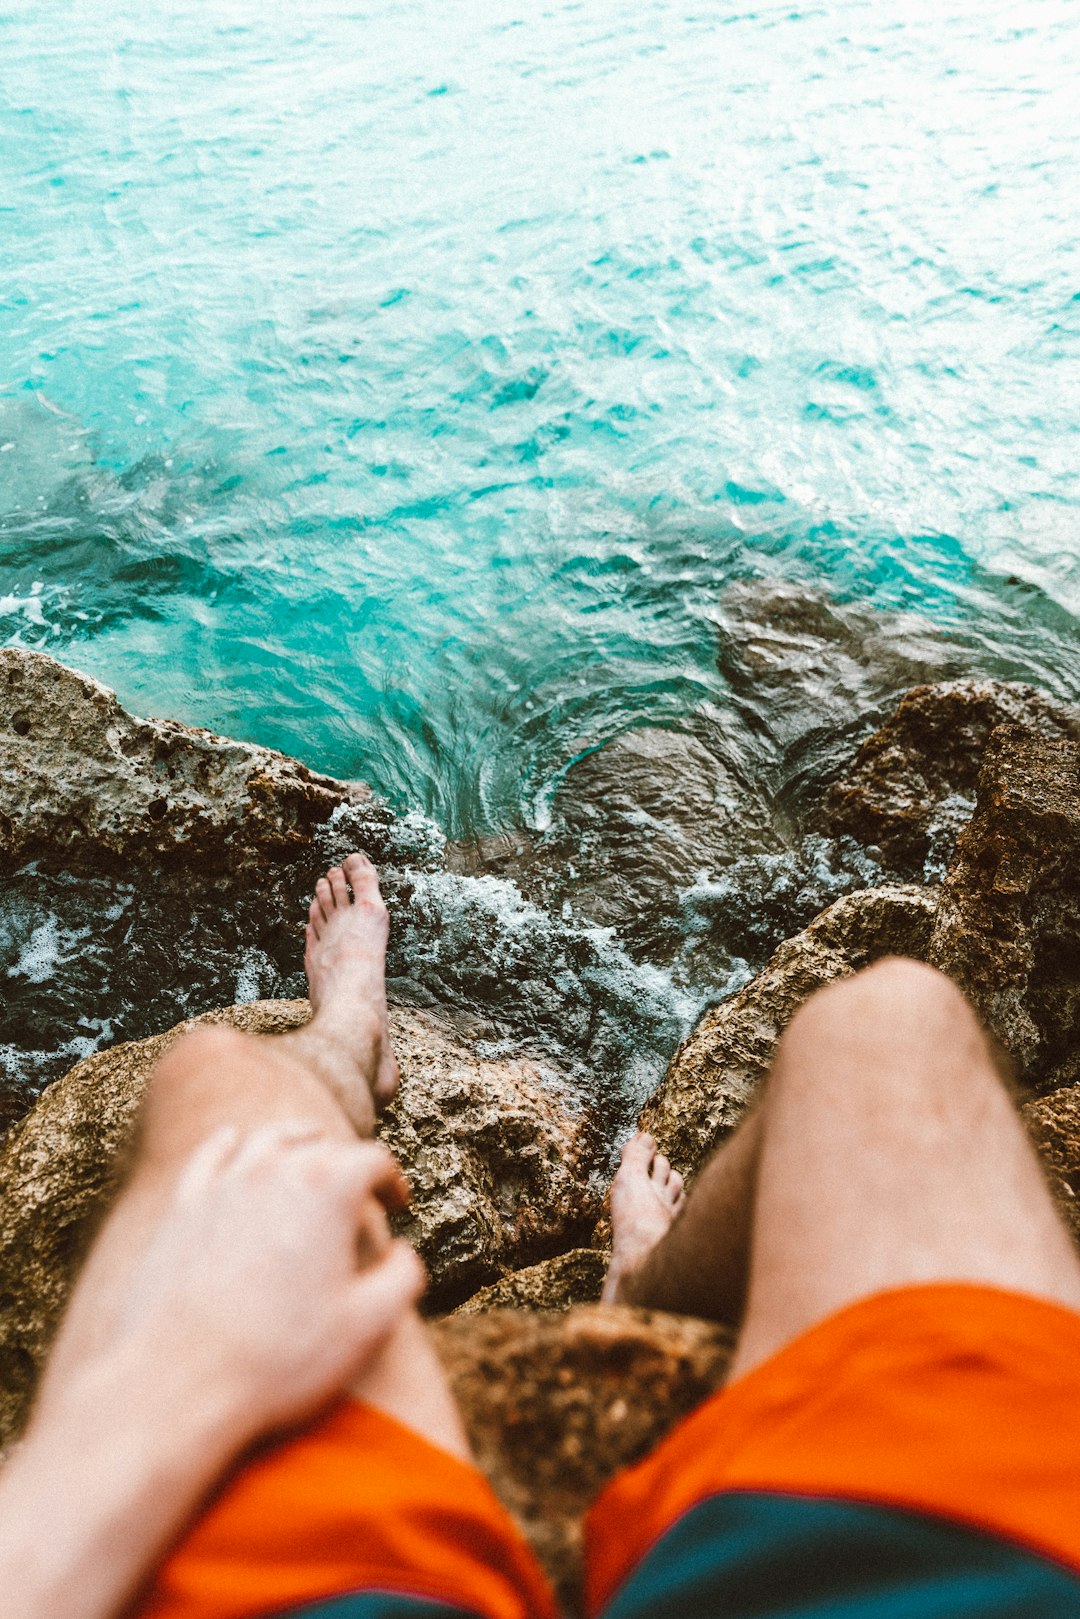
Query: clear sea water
(405, 385)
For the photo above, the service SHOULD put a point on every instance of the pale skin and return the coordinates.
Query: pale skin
(884, 1150)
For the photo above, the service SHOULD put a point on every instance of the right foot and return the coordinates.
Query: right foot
(345, 961)
(646, 1196)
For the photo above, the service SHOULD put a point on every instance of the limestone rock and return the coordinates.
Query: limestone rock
(554, 1284)
(87, 787)
(557, 1404)
(715, 1072)
(1009, 916)
(1054, 1124)
(499, 1156)
(499, 1161)
(911, 787)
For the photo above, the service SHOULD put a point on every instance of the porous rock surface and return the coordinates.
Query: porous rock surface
(1008, 920)
(1054, 1125)
(555, 1404)
(575, 1277)
(87, 787)
(715, 1072)
(911, 786)
(500, 1162)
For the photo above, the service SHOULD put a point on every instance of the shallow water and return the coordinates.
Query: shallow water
(409, 387)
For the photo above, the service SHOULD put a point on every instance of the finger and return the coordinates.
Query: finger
(381, 1296)
(366, 1169)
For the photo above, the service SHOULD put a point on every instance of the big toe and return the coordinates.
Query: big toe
(638, 1154)
(361, 875)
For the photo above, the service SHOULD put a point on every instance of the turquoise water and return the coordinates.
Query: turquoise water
(404, 385)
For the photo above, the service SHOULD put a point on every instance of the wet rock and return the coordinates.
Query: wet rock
(554, 1284)
(1054, 1125)
(911, 787)
(715, 1072)
(87, 787)
(633, 823)
(501, 1167)
(647, 815)
(806, 672)
(1009, 916)
(557, 1404)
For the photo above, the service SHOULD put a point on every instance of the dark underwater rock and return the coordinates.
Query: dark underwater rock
(645, 816)
(911, 787)
(806, 672)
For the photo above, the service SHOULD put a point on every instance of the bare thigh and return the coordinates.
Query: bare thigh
(215, 1077)
(891, 1154)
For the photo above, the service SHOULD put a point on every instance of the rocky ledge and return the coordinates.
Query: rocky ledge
(971, 788)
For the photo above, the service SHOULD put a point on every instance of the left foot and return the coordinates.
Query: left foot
(646, 1196)
(348, 1037)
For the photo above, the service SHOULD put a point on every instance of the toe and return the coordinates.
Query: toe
(675, 1186)
(362, 876)
(336, 878)
(639, 1151)
(315, 920)
(325, 896)
(661, 1169)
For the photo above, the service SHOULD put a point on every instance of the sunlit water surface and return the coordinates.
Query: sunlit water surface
(407, 386)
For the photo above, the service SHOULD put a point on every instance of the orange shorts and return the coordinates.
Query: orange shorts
(951, 1408)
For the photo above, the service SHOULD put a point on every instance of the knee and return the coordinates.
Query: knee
(191, 1064)
(897, 1007)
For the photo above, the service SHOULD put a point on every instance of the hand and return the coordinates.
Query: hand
(269, 1283)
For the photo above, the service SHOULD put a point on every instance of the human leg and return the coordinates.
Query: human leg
(899, 1424)
(329, 1076)
(884, 1150)
(690, 1255)
(378, 1498)
(892, 1155)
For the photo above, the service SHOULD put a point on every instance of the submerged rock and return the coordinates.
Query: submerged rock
(714, 1074)
(644, 817)
(501, 1164)
(911, 787)
(555, 1405)
(87, 787)
(806, 672)
(1009, 916)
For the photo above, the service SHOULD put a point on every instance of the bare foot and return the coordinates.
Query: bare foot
(345, 961)
(646, 1196)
